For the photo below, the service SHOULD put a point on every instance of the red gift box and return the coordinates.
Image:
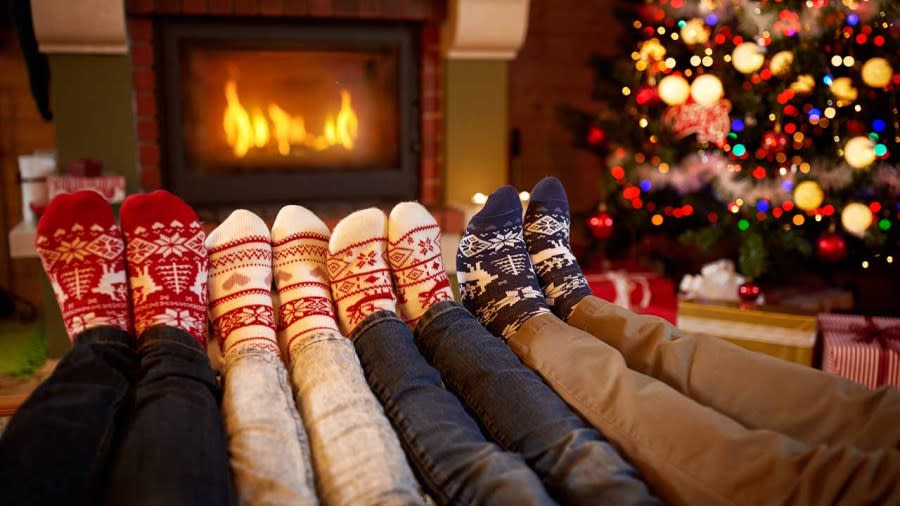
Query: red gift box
(111, 187)
(642, 292)
(862, 349)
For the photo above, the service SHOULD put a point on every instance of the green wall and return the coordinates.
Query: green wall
(93, 113)
(476, 127)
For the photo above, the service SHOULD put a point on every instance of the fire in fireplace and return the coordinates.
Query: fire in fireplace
(290, 111)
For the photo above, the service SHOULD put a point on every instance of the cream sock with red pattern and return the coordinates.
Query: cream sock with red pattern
(167, 263)
(240, 284)
(359, 273)
(83, 254)
(414, 254)
(300, 249)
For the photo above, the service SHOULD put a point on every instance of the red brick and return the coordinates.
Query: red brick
(221, 6)
(144, 80)
(145, 104)
(140, 6)
(296, 7)
(320, 8)
(142, 55)
(150, 177)
(140, 29)
(246, 7)
(272, 7)
(168, 6)
(149, 154)
(193, 6)
(147, 129)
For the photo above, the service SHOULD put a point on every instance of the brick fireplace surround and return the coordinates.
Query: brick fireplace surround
(141, 16)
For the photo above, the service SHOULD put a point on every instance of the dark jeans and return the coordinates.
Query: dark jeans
(121, 424)
(447, 450)
(523, 414)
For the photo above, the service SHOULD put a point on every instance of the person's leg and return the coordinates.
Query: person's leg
(266, 440)
(689, 453)
(802, 402)
(356, 453)
(451, 456)
(512, 402)
(173, 449)
(57, 446)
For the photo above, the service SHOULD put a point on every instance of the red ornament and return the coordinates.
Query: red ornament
(647, 95)
(601, 225)
(596, 135)
(749, 291)
(831, 247)
(774, 143)
(855, 127)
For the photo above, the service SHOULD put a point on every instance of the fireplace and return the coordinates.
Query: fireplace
(271, 111)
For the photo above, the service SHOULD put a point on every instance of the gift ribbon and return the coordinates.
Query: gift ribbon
(622, 283)
(871, 332)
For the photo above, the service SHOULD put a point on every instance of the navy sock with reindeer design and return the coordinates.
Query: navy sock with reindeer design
(547, 236)
(496, 280)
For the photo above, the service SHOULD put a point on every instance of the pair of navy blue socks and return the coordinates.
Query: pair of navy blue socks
(509, 270)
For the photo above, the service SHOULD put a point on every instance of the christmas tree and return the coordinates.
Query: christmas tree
(766, 130)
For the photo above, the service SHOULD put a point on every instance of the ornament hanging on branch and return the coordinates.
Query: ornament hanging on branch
(710, 122)
(808, 195)
(774, 143)
(860, 152)
(706, 89)
(831, 247)
(601, 225)
(843, 90)
(781, 63)
(747, 58)
(749, 291)
(694, 32)
(674, 90)
(647, 96)
(596, 136)
(856, 218)
(877, 72)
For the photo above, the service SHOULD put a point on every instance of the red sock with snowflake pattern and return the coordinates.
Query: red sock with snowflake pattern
(414, 254)
(299, 249)
(358, 270)
(167, 263)
(82, 252)
(240, 285)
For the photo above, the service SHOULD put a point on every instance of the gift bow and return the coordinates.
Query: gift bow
(623, 284)
(871, 332)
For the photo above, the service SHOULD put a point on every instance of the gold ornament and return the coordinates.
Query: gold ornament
(803, 85)
(856, 218)
(808, 195)
(859, 152)
(843, 90)
(877, 72)
(694, 32)
(781, 63)
(747, 58)
(706, 89)
(652, 51)
(674, 90)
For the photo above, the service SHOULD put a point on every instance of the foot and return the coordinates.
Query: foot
(496, 281)
(300, 251)
(167, 263)
(546, 231)
(414, 254)
(360, 277)
(240, 284)
(83, 254)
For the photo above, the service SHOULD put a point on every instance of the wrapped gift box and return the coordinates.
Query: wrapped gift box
(111, 187)
(642, 292)
(862, 349)
(771, 331)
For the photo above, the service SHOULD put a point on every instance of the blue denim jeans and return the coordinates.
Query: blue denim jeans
(119, 423)
(453, 459)
(576, 463)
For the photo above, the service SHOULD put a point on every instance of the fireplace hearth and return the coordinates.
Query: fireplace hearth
(261, 111)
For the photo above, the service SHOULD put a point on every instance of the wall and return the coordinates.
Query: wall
(476, 127)
(22, 130)
(91, 96)
(552, 68)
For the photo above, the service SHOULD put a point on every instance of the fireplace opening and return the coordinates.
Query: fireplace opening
(288, 111)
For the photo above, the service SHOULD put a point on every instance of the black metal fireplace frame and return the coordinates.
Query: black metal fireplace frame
(381, 184)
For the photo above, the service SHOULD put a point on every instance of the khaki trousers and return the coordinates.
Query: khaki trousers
(693, 454)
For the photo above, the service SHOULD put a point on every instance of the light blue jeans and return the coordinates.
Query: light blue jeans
(267, 444)
(356, 454)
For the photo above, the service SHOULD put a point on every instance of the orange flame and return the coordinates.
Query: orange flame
(244, 130)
